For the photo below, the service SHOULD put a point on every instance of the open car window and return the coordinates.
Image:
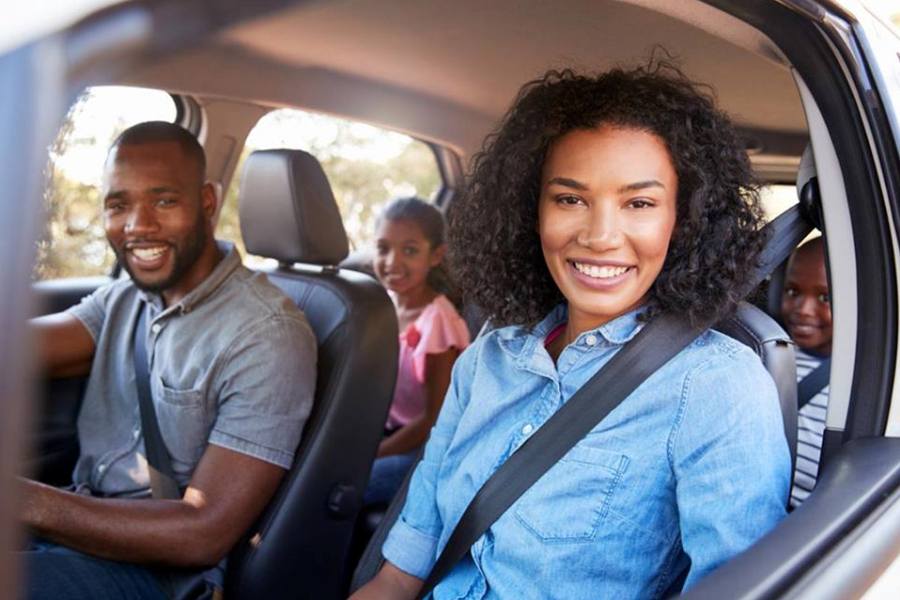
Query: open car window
(366, 167)
(72, 242)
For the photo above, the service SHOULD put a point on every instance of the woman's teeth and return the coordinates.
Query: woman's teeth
(599, 272)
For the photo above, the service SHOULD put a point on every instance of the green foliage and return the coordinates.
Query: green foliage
(72, 243)
(362, 180)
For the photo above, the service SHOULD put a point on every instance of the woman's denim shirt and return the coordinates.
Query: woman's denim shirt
(687, 472)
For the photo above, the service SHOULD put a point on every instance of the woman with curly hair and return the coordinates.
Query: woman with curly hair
(599, 203)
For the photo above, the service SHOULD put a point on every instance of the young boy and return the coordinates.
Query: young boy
(806, 311)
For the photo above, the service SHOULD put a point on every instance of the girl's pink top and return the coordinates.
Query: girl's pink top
(437, 329)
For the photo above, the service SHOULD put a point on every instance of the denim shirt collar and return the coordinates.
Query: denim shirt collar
(521, 342)
(230, 261)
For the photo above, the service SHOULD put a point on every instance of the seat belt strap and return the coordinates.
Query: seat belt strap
(162, 478)
(657, 343)
(814, 382)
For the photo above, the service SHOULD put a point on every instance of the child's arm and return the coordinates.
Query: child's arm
(437, 380)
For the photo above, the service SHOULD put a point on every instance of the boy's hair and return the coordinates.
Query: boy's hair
(497, 258)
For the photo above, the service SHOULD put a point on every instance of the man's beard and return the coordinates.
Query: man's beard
(184, 257)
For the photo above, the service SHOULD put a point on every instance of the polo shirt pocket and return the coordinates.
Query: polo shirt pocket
(182, 423)
(570, 502)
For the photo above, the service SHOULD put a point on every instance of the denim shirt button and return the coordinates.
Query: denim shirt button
(590, 340)
(527, 429)
(156, 327)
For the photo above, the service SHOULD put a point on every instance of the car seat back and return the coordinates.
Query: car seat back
(754, 328)
(298, 546)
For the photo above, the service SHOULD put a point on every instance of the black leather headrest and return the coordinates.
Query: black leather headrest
(287, 210)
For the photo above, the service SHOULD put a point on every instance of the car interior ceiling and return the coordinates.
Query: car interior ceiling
(329, 56)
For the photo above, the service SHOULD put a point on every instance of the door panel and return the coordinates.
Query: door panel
(855, 485)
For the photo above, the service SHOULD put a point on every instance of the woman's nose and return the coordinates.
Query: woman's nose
(602, 230)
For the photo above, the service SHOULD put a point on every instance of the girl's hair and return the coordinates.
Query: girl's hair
(430, 220)
(497, 258)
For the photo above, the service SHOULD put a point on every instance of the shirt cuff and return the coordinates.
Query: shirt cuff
(410, 550)
(277, 457)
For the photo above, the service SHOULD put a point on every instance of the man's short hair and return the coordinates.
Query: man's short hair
(163, 131)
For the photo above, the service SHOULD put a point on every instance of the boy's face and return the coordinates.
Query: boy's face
(805, 303)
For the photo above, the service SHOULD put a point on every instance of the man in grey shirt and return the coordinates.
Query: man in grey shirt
(232, 366)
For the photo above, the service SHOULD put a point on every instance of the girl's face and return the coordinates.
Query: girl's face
(605, 217)
(404, 256)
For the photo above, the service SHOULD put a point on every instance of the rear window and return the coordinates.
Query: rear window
(777, 198)
(366, 167)
(73, 243)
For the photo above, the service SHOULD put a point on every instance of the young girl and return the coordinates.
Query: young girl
(409, 251)
(600, 203)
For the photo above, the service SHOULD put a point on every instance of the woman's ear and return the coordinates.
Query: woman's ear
(437, 255)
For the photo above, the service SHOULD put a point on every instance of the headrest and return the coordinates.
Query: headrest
(807, 169)
(287, 211)
(808, 189)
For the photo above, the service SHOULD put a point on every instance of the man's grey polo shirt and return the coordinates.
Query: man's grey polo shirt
(232, 364)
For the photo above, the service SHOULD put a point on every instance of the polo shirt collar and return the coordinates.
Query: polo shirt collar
(230, 261)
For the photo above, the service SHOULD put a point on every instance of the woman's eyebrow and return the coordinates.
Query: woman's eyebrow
(572, 183)
(641, 185)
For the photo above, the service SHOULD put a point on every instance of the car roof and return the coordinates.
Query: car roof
(447, 71)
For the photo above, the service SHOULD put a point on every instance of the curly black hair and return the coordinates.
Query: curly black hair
(496, 252)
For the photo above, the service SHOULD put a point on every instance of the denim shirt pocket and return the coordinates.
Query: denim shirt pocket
(182, 423)
(569, 503)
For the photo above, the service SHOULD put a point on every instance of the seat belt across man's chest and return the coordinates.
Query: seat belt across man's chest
(163, 485)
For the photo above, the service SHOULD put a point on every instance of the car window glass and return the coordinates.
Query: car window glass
(73, 243)
(777, 198)
(365, 165)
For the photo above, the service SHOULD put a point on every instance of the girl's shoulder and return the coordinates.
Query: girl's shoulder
(440, 307)
(440, 313)
(441, 326)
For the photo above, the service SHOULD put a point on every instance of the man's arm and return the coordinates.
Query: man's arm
(64, 345)
(226, 494)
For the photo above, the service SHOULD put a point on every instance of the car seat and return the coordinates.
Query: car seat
(297, 548)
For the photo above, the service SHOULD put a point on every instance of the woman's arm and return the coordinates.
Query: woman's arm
(437, 379)
(389, 584)
(730, 460)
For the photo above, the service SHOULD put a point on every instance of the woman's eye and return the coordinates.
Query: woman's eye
(410, 251)
(381, 250)
(640, 203)
(790, 292)
(823, 298)
(166, 202)
(568, 200)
